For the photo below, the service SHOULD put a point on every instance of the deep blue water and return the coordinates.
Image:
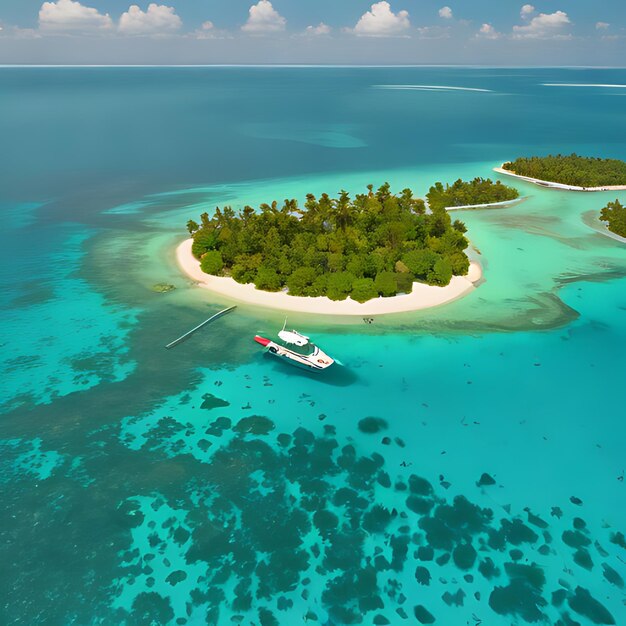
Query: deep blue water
(209, 484)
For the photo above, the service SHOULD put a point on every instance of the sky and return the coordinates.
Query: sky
(482, 32)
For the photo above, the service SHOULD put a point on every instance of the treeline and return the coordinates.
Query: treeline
(462, 193)
(615, 216)
(375, 244)
(571, 170)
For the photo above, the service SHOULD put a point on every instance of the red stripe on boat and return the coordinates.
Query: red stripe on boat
(262, 340)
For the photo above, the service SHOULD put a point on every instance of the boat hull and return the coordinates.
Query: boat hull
(317, 361)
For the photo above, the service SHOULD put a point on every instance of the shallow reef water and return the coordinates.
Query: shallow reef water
(315, 523)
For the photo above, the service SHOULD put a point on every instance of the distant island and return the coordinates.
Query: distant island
(615, 216)
(480, 191)
(376, 244)
(570, 172)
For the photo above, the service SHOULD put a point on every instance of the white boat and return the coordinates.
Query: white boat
(297, 349)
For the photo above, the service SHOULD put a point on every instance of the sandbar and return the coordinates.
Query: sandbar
(488, 205)
(422, 297)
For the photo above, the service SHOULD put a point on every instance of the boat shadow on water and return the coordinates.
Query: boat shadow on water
(336, 375)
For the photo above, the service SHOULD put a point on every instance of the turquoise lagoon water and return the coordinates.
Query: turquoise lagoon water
(464, 466)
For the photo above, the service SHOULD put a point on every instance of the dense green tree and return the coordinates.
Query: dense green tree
(615, 216)
(363, 289)
(212, 262)
(441, 274)
(339, 285)
(359, 265)
(319, 286)
(203, 240)
(246, 266)
(439, 222)
(284, 265)
(459, 262)
(459, 226)
(449, 242)
(192, 227)
(404, 282)
(571, 170)
(374, 243)
(336, 261)
(267, 279)
(385, 283)
(382, 259)
(301, 280)
(420, 262)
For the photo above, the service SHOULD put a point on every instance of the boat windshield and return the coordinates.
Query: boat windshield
(305, 350)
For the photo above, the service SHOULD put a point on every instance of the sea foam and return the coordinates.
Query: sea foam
(431, 88)
(599, 85)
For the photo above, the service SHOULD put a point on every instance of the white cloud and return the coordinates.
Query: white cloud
(65, 16)
(157, 20)
(320, 29)
(264, 18)
(381, 21)
(487, 31)
(544, 26)
(446, 13)
(206, 31)
(602, 25)
(526, 11)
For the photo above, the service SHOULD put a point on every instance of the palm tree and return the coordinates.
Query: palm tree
(310, 215)
(343, 210)
(289, 207)
(325, 207)
(267, 208)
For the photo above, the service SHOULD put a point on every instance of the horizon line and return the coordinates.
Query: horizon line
(296, 65)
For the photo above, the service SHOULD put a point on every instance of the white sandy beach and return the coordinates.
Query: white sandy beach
(488, 205)
(592, 219)
(546, 183)
(422, 297)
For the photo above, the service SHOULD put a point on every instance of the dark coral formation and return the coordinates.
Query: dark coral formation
(305, 501)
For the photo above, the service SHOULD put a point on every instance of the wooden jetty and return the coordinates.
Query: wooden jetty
(199, 326)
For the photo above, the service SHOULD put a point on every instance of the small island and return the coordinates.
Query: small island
(614, 214)
(569, 172)
(375, 245)
(377, 253)
(480, 192)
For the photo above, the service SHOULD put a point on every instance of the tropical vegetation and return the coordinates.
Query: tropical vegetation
(614, 213)
(571, 170)
(464, 193)
(374, 245)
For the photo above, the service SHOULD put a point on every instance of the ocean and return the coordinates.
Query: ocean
(464, 465)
